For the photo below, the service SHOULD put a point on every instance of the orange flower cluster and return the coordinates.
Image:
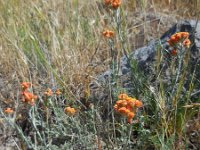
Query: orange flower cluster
(58, 92)
(8, 110)
(114, 3)
(70, 111)
(108, 33)
(180, 37)
(48, 92)
(187, 43)
(127, 106)
(27, 96)
(25, 85)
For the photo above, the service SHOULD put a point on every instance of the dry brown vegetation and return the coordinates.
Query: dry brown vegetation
(65, 37)
(59, 44)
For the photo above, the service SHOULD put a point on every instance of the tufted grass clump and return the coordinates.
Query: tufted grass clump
(52, 50)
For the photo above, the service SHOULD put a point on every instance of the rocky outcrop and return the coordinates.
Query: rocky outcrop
(145, 57)
(146, 54)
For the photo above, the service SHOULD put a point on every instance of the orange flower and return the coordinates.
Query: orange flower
(138, 104)
(127, 106)
(121, 103)
(174, 40)
(25, 85)
(116, 3)
(130, 99)
(173, 52)
(48, 92)
(8, 110)
(108, 33)
(123, 111)
(184, 35)
(58, 92)
(131, 102)
(130, 107)
(70, 111)
(131, 115)
(177, 37)
(124, 103)
(29, 97)
(187, 43)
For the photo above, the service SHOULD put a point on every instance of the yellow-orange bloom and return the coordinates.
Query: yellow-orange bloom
(177, 37)
(70, 111)
(8, 110)
(48, 92)
(187, 43)
(116, 3)
(25, 85)
(127, 106)
(184, 35)
(123, 111)
(138, 104)
(108, 33)
(29, 97)
(130, 100)
(131, 115)
(58, 92)
(121, 103)
(174, 40)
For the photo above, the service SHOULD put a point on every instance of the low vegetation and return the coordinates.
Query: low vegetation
(52, 50)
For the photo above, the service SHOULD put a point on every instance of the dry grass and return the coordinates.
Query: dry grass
(59, 44)
(65, 37)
